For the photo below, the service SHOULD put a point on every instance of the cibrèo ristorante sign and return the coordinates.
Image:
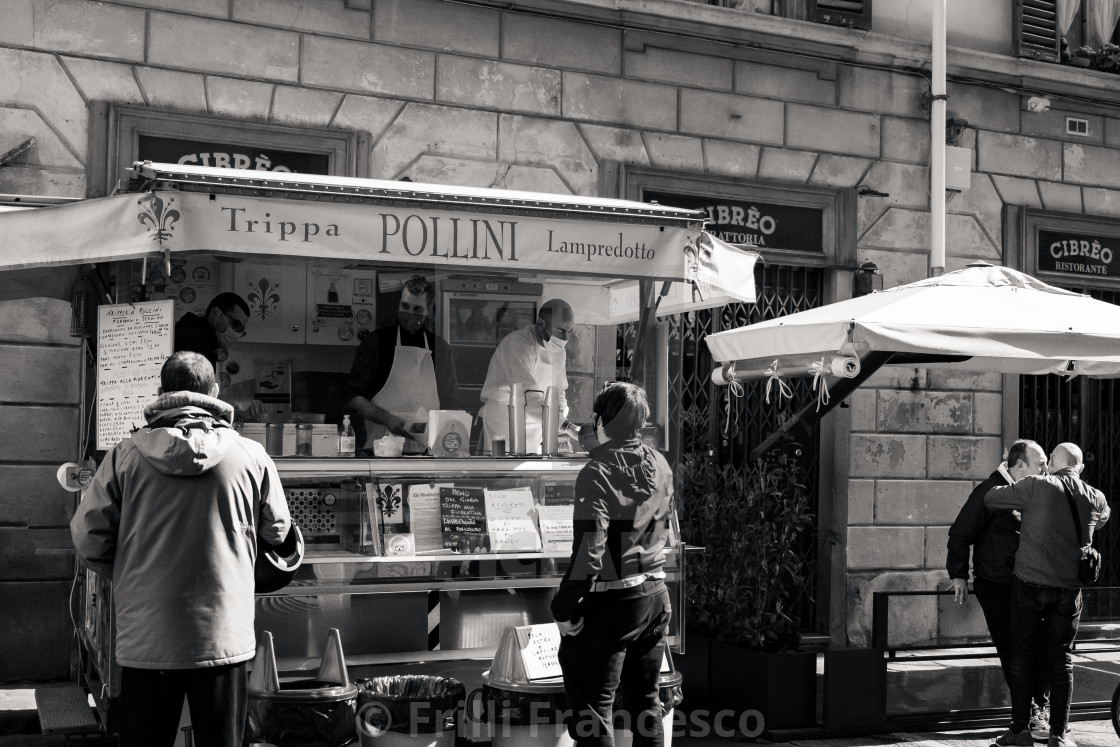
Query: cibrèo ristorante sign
(190, 221)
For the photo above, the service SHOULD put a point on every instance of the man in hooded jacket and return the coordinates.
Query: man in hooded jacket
(174, 516)
(612, 606)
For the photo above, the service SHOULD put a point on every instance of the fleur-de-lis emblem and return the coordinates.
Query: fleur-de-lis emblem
(158, 217)
(264, 297)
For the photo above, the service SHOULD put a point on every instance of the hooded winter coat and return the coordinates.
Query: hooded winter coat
(173, 515)
(620, 521)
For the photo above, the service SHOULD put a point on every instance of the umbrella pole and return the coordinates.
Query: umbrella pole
(799, 427)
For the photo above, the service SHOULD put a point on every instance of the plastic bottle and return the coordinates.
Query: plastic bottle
(346, 438)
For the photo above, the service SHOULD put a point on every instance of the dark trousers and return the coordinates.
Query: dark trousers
(995, 601)
(152, 702)
(1043, 618)
(619, 650)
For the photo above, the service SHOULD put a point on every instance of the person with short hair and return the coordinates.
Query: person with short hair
(212, 335)
(992, 536)
(1046, 594)
(612, 607)
(224, 324)
(534, 357)
(175, 516)
(400, 372)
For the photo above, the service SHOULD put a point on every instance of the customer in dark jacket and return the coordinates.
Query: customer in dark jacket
(1046, 597)
(175, 516)
(993, 537)
(612, 606)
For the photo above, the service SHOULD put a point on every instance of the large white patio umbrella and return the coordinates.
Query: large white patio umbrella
(980, 318)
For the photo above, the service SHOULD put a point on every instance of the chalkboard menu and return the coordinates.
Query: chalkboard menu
(559, 495)
(133, 341)
(462, 513)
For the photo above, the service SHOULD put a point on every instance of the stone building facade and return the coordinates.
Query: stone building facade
(571, 97)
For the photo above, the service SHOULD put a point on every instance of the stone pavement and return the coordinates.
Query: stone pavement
(19, 728)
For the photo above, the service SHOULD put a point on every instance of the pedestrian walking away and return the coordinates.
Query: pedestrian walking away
(174, 516)
(992, 536)
(612, 606)
(1046, 593)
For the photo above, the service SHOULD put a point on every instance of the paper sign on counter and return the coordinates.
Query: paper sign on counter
(556, 527)
(540, 647)
(510, 518)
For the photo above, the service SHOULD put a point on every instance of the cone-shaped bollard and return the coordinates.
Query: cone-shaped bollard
(332, 667)
(265, 678)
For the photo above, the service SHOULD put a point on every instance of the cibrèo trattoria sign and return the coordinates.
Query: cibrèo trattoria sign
(1075, 253)
(190, 221)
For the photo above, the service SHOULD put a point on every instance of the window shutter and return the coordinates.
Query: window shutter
(855, 14)
(1035, 31)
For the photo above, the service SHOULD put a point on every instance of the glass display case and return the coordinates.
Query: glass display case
(450, 598)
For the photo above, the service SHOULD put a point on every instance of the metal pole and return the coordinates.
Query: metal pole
(937, 144)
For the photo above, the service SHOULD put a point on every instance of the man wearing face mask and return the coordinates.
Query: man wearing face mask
(400, 372)
(213, 335)
(223, 325)
(534, 357)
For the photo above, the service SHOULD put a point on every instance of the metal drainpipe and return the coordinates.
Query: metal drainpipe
(937, 144)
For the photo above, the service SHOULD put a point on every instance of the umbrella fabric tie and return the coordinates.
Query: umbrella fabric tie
(820, 383)
(774, 374)
(735, 390)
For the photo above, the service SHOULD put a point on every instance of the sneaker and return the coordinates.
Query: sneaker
(1066, 741)
(1040, 724)
(1022, 739)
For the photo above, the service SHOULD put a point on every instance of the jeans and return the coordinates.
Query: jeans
(152, 702)
(995, 601)
(1043, 618)
(619, 649)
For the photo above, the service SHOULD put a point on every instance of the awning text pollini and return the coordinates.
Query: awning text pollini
(392, 234)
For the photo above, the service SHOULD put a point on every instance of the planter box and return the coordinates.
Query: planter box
(782, 687)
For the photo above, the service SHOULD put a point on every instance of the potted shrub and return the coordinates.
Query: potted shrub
(757, 531)
(1082, 56)
(1108, 58)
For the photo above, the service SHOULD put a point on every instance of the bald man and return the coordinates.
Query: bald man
(1046, 591)
(534, 357)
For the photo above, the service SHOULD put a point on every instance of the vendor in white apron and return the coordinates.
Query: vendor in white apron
(400, 373)
(534, 357)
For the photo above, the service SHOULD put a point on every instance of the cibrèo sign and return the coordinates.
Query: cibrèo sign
(761, 224)
(190, 221)
(1077, 253)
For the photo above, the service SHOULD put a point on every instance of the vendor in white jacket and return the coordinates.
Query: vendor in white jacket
(534, 357)
(174, 516)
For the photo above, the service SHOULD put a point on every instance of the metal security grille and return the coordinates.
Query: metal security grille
(709, 417)
(1086, 412)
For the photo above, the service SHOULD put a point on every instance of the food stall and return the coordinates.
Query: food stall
(419, 560)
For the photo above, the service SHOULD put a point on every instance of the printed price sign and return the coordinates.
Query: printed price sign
(133, 341)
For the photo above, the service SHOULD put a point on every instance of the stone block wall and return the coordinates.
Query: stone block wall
(39, 384)
(484, 96)
(921, 441)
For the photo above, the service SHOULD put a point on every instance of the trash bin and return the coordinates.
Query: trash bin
(669, 691)
(522, 714)
(409, 710)
(314, 711)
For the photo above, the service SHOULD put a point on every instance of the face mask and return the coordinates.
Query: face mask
(228, 337)
(589, 436)
(555, 344)
(410, 323)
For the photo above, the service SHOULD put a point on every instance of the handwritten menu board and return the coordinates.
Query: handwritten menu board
(462, 513)
(559, 495)
(540, 647)
(133, 341)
